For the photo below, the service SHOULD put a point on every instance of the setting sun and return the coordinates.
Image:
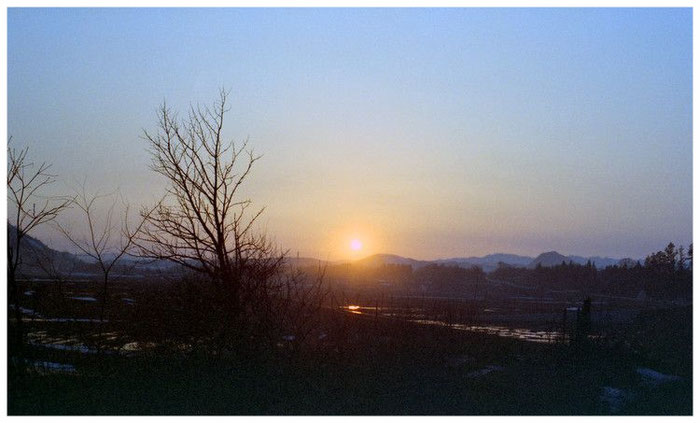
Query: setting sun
(356, 245)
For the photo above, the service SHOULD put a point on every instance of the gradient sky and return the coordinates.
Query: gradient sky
(428, 133)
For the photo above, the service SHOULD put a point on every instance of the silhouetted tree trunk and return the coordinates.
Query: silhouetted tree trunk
(583, 322)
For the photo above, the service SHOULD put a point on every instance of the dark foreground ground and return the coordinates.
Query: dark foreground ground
(379, 368)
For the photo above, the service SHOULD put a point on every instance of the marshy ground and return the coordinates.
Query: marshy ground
(359, 365)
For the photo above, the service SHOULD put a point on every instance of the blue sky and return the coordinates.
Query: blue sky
(425, 132)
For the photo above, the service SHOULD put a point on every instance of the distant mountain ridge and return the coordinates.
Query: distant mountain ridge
(488, 262)
(553, 258)
(34, 250)
(380, 259)
(37, 257)
(491, 262)
(34, 254)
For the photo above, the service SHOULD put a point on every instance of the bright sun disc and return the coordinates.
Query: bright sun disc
(356, 245)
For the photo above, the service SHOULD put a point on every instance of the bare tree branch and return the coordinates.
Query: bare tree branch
(25, 185)
(201, 224)
(104, 243)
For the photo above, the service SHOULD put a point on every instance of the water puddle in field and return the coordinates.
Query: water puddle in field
(523, 334)
(506, 332)
(67, 320)
(43, 340)
(47, 367)
(87, 299)
(25, 311)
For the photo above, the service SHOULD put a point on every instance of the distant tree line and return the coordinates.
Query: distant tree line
(449, 279)
(434, 278)
(666, 274)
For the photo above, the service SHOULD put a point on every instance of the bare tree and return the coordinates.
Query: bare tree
(28, 208)
(106, 243)
(203, 223)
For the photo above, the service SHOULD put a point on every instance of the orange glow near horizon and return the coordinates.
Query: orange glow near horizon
(353, 241)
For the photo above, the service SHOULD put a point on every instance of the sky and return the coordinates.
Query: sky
(428, 133)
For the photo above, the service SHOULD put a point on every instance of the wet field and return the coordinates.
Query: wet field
(449, 355)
